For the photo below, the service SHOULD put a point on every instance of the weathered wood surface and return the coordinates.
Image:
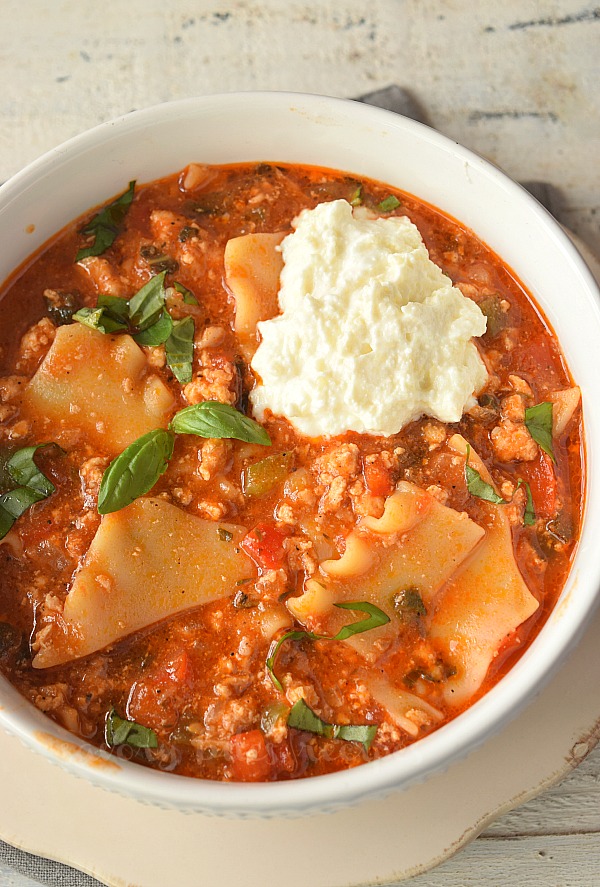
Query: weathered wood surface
(551, 841)
(516, 81)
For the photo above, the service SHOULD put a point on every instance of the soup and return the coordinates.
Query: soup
(211, 579)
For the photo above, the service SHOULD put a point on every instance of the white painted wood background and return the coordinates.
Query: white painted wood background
(517, 81)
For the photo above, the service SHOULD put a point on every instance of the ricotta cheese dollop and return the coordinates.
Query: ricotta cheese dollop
(371, 333)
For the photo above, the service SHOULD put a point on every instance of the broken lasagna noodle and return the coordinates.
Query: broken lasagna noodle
(231, 599)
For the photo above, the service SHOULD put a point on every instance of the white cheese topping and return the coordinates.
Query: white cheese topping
(372, 334)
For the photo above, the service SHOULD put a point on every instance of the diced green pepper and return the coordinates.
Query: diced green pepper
(274, 712)
(497, 318)
(262, 477)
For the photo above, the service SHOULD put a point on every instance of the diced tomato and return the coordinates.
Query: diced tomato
(283, 758)
(152, 706)
(177, 669)
(157, 700)
(264, 544)
(541, 478)
(378, 479)
(249, 756)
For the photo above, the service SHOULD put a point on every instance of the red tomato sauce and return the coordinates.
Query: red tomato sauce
(199, 682)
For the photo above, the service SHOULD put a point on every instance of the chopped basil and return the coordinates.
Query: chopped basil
(538, 420)
(33, 487)
(144, 316)
(188, 231)
(158, 333)
(147, 305)
(135, 471)
(118, 731)
(158, 260)
(188, 297)
(214, 419)
(408, 604)
(224, 535)
(23, 470)
(61, 306)
(529, 517)
(105, 225)
(99, 319)
(288, 636)
(375, 618)
(363, 733)
(478, 487)
(387, 205)
(179, 349)
(13, 504)
(301, 717)
(116, 307)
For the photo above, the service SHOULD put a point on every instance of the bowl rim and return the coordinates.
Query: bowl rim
(466, 731)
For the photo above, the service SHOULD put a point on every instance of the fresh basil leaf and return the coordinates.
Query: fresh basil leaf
(116, 307)
(135, 471)
(118, 731)
(179, 349)
(375, 618)
(158, 333)
(105, 225)
(363, 733)
(288, 636)
(188, 297)
(478, 487)
(529, 516)
(147, 304)
(23, 471)
(15, 502)
(6, 518)
(61, 306)
(390, 203)
(158, 260)
(538, 420)
(301, 717)
(188, 231)
(98, 319)
(144, 315)
(34, 486)
(214, 419)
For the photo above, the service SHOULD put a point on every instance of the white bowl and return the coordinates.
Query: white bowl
(370, 142)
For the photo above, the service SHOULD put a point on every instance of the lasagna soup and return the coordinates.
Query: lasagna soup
(291, 472)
